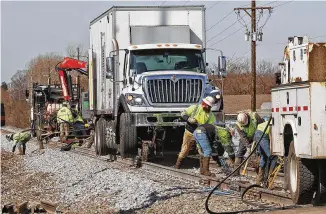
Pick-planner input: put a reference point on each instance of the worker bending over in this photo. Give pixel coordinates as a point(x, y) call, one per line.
point(79, 123)
point(20, 139)
point(194, 115)
point(246, 125)
point(263, 150)
point(64, 118)
point(206, 136)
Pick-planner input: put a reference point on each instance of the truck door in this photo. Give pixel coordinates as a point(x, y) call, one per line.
point(303, 121)
point(318, 119)
point(277, 142)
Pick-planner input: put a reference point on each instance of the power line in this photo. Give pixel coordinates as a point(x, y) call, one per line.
point(185, 3)
point(223, 31)
point(227, 36)
point(283, 4)
point(223, 19)
point(163, 3)
point(213, 5)
point(219, 21)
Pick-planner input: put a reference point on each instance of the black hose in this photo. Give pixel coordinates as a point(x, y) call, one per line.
point(246, 190)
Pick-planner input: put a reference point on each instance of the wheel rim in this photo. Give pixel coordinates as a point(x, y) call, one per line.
point(293, 173)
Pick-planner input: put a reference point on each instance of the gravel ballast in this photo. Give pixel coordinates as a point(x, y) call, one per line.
point(82, 184)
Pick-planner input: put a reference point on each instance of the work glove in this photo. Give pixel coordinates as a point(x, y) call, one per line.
point(192, 120)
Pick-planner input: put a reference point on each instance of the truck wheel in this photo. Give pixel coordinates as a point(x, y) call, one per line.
point(301, 178)
point(100, 145)
point(128, 136)
point(321, 190)
point(111, 137)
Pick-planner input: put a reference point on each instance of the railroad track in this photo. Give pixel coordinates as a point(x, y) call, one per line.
point(259, 197)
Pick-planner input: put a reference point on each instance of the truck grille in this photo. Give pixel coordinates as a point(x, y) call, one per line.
point(169, 91)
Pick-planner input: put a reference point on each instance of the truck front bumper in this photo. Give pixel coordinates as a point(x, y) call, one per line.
point(157, 119)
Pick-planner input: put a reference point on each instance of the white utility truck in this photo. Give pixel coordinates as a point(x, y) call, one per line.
point(146, 65)
point(299, 119)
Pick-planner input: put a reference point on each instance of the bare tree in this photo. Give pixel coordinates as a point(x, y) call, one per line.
point(238, 80)
point(77, 51)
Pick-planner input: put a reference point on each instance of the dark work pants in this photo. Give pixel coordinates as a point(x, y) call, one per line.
point(18, 144)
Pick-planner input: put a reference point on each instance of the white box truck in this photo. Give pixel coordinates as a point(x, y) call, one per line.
point(146, 65)
point(299, 119)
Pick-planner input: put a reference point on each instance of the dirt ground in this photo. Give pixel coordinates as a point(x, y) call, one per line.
point(235, 103)
point(18, 185)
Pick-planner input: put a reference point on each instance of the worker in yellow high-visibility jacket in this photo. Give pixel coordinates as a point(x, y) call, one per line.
point(20, 139)
point(195, 115)
point(64, 118)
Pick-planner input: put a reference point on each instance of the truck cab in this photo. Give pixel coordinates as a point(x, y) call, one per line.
point(146, 65)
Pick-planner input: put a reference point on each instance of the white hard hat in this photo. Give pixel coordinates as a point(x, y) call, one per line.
point(209, 101)
point(242, 119)
point(215, 93)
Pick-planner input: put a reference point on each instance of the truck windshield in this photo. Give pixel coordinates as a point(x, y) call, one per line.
point(167, 59)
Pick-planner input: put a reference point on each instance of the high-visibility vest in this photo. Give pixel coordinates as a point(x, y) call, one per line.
point(223, 135)
point(22, 137)
point(64, 115)
point(197, 112)
point(261, 127)
point(79, 118)
point(250, 129)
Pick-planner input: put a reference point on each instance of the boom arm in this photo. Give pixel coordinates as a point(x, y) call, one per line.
point(69, 64)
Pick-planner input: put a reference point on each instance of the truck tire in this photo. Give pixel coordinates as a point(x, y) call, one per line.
point(128, 136)
point(321, 190)
point(99, 138)
point(111, 137)
point(301, 178)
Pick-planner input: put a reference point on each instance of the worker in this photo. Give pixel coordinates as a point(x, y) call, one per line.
point(246, 126)
point(79, 124)
point(206, 136)
point(263, 150)
point(64, 119)
point(20, 139)
point(194, 115)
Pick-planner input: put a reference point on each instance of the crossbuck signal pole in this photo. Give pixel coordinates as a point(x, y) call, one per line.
point(254, 37)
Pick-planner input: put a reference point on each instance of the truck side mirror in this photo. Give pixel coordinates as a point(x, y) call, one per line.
point(221, 63)
point(109, 67)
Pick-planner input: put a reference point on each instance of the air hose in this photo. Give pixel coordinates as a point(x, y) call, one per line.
point(247, 189)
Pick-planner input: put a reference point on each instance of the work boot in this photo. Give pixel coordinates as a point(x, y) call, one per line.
point(259, 178)
point(206, 171)
point(229, 162)
point(237, 162)
point(179, 161)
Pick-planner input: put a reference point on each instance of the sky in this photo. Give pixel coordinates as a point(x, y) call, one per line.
point(32, 28)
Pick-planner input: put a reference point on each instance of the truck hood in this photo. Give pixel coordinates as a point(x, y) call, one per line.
point(172, 72)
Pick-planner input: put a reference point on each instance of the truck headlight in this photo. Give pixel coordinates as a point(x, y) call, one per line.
point(134, 99)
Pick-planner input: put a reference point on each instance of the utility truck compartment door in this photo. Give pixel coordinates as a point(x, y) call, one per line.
point(159, 34)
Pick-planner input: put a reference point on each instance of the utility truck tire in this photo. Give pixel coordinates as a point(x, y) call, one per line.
point(128, 136)
point(321, 190)
point(301, 177)
point(99, 138)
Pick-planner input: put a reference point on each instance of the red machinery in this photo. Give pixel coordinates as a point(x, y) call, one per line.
point(69, 64)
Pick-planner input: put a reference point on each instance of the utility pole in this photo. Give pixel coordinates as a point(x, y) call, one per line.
point(78, 53)
point(253, 57)
point(254, 35)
